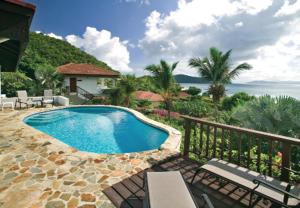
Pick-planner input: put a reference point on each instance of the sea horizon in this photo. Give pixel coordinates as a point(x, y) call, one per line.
point(255, 89)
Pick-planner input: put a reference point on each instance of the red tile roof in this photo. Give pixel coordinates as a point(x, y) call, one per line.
point(86, 70)
point(147, 95)
point(183, 95)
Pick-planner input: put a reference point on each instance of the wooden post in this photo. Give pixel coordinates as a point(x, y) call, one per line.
point(286, 150)
point(187, 138)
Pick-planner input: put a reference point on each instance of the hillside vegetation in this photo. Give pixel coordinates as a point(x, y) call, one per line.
point(44, 50)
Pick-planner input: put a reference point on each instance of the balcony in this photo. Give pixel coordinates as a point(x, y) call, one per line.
point(269, 154)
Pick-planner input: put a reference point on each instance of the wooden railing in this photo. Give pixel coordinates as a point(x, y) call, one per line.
point(206, 139)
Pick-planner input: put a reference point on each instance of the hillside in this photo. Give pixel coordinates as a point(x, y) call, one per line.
point(182, 78)
point(46, 50)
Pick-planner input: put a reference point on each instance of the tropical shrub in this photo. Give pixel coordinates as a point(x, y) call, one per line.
point(128, 85)
point(196, 108)
point(228, 103)
point(13, 81)
point(278, 115)
point(193, 91)
point(144, 103)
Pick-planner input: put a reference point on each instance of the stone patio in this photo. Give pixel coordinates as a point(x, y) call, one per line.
point(37, 170)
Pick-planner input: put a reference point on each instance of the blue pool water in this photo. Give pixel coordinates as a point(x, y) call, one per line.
point(98, 129)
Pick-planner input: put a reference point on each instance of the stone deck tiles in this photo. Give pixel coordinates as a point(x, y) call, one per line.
point(37, 170)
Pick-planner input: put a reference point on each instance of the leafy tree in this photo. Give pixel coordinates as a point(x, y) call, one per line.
point(13, 81)
point(164, 79)
point(239, 98)
point(216, 69)
point(128, 87)
point(193, 91)
point(48, 78)
point(278, 115)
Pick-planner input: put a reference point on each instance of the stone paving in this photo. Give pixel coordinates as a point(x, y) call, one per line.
point(37, 170)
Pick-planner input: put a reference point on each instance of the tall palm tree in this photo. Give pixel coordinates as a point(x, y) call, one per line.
point(163, 77)
point(217, 69)
point(128, 85)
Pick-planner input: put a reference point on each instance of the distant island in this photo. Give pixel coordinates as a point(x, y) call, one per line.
point(182, 78)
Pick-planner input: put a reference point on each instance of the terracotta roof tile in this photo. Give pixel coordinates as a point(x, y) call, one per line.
point(86, 70)
point(147, 95)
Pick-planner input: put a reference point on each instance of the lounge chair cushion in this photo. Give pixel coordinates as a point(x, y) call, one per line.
point(168, 190)
point(244, 177)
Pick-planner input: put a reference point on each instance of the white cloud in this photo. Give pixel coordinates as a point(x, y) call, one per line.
point(246, 26)
point(52, 35)
point(104, 47)
point(239, 24)
point(147, 2)
point(288, 8)
point(278, 62)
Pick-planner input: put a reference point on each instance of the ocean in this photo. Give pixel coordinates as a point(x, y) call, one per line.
point(273, 89)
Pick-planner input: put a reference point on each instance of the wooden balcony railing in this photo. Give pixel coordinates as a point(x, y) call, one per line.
point(245, 147)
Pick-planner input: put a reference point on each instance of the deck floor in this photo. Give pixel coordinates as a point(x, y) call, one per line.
point(130, 192)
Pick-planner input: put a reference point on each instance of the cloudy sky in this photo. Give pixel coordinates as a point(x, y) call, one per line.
point(129, 34)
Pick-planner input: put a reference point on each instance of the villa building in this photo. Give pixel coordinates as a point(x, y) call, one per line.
point(86, 77)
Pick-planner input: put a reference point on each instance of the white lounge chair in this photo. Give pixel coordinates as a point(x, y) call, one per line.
point(6, 103)
point(278, 192)
point(23, 99)
point(169, 190)
point(48, 98)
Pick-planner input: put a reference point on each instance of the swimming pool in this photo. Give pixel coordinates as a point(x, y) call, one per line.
point(99, 129)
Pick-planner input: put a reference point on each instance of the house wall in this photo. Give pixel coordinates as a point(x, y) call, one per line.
point(87, 83)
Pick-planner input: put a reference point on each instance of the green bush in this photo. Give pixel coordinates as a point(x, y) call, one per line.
point(193, 91)
point(228, 103)
point(13, 81)
point(197, 108)
point(143, 103)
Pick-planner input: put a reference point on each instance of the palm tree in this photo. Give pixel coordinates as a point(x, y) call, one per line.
point(163, 77)
point(128, 86)
point(216, 69)
point(47, 77)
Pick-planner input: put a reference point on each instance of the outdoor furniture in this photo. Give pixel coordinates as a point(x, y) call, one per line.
point(278, 192)
point(167, 190)
point(48, 98)
point(3, 104)
point(23, 99)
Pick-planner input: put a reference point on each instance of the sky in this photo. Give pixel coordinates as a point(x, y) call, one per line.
point(131, 34)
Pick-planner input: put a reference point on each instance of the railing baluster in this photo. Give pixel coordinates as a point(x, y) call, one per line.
point(207, 141)
point(285, 163)
point(187, 138)
point(194, 140)
point(215, 142)
point(249, 152)
point(258, 155)
point(270, 156)
point(230, 145)
point(239, 148)
point(222, 144)
point(201, 138)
